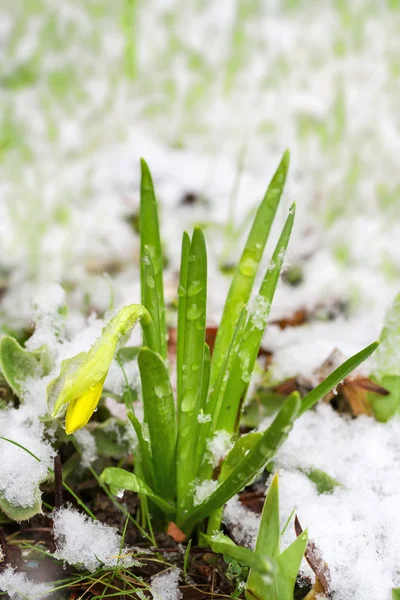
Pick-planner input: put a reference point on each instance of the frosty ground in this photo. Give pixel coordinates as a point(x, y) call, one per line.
point(212, 124)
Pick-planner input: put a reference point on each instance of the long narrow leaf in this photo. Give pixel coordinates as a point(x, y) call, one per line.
point(183, 274)
point(246, 271)
point(251, 338)
point(150, 300)
point(252, 464)
point(222, 544)
point(123, 480)
point(150, 240)
point(336, 377)
point(159, 411)
point(267, 540)
point(204, 423)
point(289, 563)
point(143, 463)
point(192, 365)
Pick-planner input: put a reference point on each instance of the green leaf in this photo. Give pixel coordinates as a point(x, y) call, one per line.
point(183, 274)
point(150, 300)
point(288, 567)
point(325, 484)
point(247, 268)
point(281, 585)
point(203, 426)
point(143, 463)
point(109, 437)
point(18, 364)
point(267, 540)
point(216, 396)
point(222, 544)
point(336, 377)
point(386, 367)
point(192, 366)
point(250, 466)
point(385, 407)
point(21, 513)
point(246, 356)
point(396, 593)
point(150, 242)
point(159, 412)
point(123, 480)
point(238, 453)
point(128, 353)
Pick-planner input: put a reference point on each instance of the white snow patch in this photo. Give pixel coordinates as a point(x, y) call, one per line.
point(166, 586)
point(86, 543)
point(116, 382)
point(203, 417)
point(219, 446)
point(87, 446)
point(19, 587)
point(356, 527)
point(243, 523)
point(20, 473)
point(203, 490)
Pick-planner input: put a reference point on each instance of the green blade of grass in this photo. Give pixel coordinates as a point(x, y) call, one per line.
point(182, 313)
point(150, 300)
point(235, 456)
point(268, 541)
point(249, 467)
point(203, 425)
point(246, 270)
point(143, 463)
point(159, 411)
point(222, 544)
point(289, 563)
point(269, 532)
point(336, 377)
point(216, 396)
point(245, 359)
point(192, 366)
point(150, 241)
point(123, 480)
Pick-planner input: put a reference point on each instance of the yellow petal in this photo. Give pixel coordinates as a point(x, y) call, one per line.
point(81, 409)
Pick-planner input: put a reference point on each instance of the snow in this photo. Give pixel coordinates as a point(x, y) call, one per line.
point(86, 543)
point(203, 417)
point(19, 587)
point(87, 446)
point(203, 490)
point(116, 382)
point(242, 523)
point(20, 473)
point(356, 527)
point(166, 586)
point(218, 447)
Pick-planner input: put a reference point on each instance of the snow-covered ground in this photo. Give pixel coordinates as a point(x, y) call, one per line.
point(213, 95)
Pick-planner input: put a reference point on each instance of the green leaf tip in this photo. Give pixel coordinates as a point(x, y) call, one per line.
point(146, 178)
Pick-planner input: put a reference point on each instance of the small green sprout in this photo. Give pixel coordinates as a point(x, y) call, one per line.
point(273, 573)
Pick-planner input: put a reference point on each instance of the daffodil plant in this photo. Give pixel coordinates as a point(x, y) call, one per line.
point(176, 466)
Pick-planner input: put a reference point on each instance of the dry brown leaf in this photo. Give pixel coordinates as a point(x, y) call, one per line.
point(176, 533)
point(318, 565)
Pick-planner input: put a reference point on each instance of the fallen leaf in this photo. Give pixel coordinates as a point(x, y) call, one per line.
point(318, 565)
point(176, 533)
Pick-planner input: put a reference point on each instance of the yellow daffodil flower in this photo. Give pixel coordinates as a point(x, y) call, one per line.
point(80, 382)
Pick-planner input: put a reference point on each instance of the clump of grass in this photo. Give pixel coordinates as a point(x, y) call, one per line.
point(178, 435)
